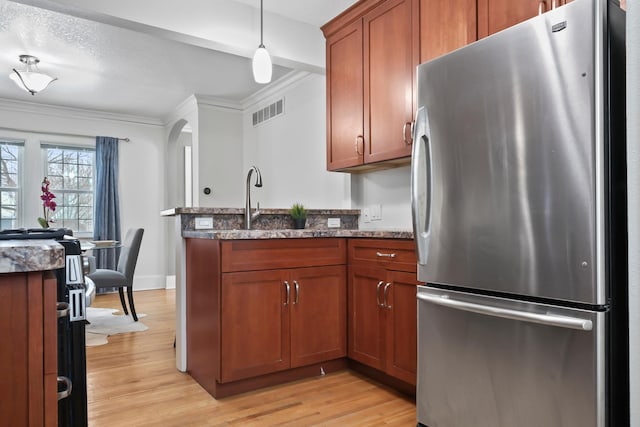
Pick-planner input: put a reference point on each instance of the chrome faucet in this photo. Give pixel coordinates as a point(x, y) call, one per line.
point(248, 216)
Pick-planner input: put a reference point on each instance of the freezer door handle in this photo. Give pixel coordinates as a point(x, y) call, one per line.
point(543, 319)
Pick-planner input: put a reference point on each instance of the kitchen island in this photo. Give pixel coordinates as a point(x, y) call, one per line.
point(268, 305)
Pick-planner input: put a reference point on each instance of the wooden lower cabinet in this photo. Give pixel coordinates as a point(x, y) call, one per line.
point(265, 311)
point(382, 326)
point(279, 319)
point(28, 356)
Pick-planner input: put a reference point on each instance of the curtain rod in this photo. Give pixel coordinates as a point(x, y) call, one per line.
point(58, 133)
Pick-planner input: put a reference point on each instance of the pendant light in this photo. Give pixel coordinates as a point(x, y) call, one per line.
point(31, 79)
point(261, 59)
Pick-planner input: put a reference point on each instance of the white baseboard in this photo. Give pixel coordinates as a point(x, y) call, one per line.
point(170, 282)
point(145, 283)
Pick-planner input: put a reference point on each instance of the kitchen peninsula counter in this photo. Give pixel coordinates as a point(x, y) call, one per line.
point(295, 234)
point(225, 226)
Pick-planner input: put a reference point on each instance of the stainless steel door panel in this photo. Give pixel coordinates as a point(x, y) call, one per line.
point(479, 370)
point(513, 154)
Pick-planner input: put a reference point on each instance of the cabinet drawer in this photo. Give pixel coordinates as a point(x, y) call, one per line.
point(248, 255)
point(391, 254)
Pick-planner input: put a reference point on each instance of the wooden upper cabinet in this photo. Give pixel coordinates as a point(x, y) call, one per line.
point(446, 26)
point(496, 15)
point(372, 52)
point(390, 60)
point(345, 97)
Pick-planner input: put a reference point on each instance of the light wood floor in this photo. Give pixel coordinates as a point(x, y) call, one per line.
point(133, 381)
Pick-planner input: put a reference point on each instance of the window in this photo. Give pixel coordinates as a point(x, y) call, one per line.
point(71, 171)
point(10, 162)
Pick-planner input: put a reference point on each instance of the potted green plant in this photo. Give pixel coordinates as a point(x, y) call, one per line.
point(299, 215)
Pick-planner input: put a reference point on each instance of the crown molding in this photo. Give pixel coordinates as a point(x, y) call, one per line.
point(182, 111)
point(77, 113)
point(216, 102)
point(285, 82)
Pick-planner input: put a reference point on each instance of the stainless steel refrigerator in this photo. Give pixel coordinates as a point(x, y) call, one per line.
point(519, 211)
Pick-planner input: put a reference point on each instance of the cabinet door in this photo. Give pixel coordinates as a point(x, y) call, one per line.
point(401, 325)
point(318, 314)
point(446, 26)
point(366, 330)
point(496, 15)
point(390, 61)
point(255, 324)
point(14, 352)
point(345, 98)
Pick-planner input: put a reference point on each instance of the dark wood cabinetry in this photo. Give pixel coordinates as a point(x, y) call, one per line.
point(372, 52)
point(382, 306)
point(446, 26)
point(294, 317)
point(256, 308)
point(496, 15)
point(28, 355)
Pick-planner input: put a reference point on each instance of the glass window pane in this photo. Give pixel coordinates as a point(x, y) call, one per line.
point(9, 180)
point(71, 177)
point(10, 191)
point(85, 225)
point(54, 155)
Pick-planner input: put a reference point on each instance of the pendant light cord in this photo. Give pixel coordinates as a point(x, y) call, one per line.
point(261, 25)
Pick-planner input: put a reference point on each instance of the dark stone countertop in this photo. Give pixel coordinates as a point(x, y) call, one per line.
point(295, 234)
point(17, 256)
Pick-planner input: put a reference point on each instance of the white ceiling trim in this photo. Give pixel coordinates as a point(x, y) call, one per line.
point(75, 113)
point(275, 89)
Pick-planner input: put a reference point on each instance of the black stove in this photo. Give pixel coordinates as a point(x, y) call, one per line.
point(35, 233)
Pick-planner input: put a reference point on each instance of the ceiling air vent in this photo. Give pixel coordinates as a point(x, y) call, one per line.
point(268, 112)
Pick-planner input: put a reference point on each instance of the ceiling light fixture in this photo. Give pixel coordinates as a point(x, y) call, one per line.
point(261, 59)
point(31, 79)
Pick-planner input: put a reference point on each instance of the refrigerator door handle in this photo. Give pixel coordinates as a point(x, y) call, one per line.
point(543, 319)
point(421, 178)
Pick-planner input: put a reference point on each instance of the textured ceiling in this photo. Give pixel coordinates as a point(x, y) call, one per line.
point(113, 69)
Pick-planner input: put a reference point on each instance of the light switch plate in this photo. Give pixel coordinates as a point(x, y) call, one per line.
point(204, 223)
point(333, 222)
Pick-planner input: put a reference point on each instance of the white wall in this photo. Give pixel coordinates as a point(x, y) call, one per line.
point(391, 189)
point(140, 163)
point(219, 155)
point(633, 163)
point(290, 149)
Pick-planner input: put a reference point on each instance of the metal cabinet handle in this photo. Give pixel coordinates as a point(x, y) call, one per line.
point(297, 288)
point(407, 140)
point(553, 4)
point(62, 309)
point(380, 283)
point(542, 6)
point(288, 288)
point(67, 390)
point(384, 255)
point(359, 139)
point(385, 302)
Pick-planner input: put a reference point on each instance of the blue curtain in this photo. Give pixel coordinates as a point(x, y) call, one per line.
point(106, 219)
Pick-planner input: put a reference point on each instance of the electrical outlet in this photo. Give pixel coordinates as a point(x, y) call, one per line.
point(333, 222)
point(376, 212)
point(204, 223)
point(366, 215)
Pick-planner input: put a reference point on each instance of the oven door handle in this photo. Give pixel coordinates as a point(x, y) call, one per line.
point(543, 319)
point(67, 390)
